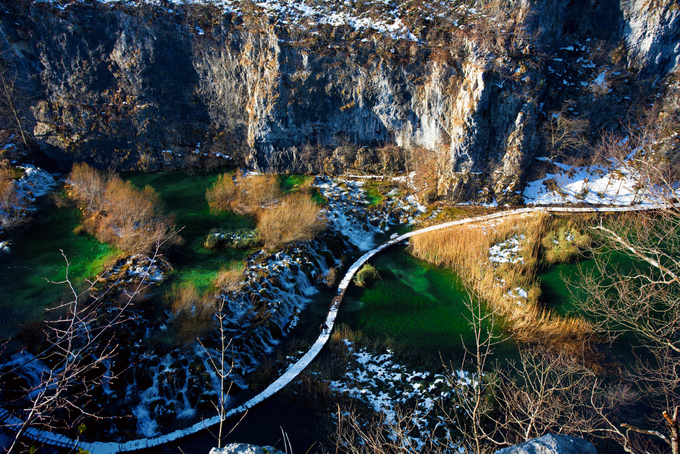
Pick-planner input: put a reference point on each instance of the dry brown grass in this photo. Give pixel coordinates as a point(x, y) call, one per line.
point(116, 212)
point(466, 249)
point(296, 218)
point(231, 278)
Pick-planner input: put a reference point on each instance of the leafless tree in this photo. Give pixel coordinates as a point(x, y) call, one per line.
point(474, 404)
point(222, 368)
point(10, 97)
point(639, 296)
point(565, 133)
point(385, 434)
point(642, 300)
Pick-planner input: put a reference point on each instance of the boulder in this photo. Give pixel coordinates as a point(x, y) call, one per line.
point(244, 448)
point(551, 444)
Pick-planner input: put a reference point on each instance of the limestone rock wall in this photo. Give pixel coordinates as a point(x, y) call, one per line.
point(145, 87)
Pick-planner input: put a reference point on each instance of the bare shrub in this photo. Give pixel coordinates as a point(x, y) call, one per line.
point(134, 220)
point(256, 192)
point(222, 193)
point(296, 218)
point(87, 186)
point(193, 312)
point(331, 278)
point(6, 185)
point(243, 194)
point(118, 213)
point(12, 211)
point(383, 434)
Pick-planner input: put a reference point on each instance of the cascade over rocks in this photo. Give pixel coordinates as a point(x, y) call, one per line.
point(151, 87)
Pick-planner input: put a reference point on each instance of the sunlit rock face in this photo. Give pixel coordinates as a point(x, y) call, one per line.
point(283, 86)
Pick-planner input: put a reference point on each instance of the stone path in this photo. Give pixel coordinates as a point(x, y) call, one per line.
point(290, 374)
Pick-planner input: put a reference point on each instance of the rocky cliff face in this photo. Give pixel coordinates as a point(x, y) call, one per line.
point(472, 88)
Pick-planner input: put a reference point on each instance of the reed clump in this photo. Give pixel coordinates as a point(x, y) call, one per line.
point(508, 284)
point(296, 218)
point(563, 241)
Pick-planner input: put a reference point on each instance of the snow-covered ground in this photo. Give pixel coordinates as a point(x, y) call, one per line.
point(346, 210)
point(34, 182)
point(385, 385)
point(507, 251)
point(597, 184)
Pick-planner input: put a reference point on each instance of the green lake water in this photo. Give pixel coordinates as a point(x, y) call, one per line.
point(417, 304)
point(559, 283)
point(184, 196)
point(35, 262)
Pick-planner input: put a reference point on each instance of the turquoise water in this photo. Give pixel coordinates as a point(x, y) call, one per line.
point(35, 262)
point(419, 305)
point(184, 196)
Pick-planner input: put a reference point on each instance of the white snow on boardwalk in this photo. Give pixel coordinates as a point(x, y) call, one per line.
point(302, 363)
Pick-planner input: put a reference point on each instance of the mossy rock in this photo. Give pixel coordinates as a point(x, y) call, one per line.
point(366, 275)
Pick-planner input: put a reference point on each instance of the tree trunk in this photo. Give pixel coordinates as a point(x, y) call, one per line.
point(674, 430)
